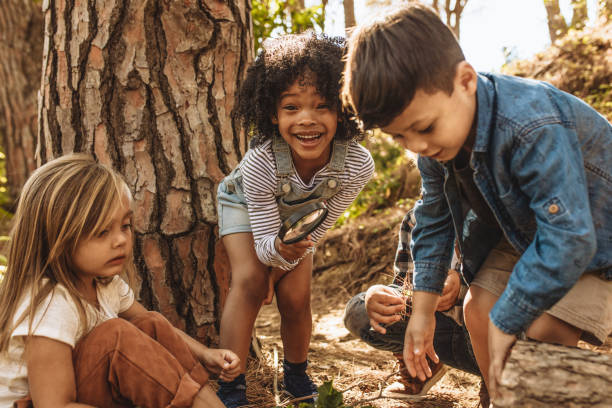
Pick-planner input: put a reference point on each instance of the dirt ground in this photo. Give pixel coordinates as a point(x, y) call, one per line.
point(336, 355)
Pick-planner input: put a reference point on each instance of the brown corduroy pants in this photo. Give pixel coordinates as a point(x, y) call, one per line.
point(140, 363)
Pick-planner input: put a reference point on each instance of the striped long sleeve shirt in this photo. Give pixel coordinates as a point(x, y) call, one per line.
point(260, 181)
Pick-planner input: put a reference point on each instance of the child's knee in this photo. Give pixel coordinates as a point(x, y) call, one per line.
point(294, 305)
point(151, 321)
point(355, 315)
point(475, 310)
point(251, 282)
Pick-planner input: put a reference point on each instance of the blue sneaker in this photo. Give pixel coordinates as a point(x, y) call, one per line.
point(233, 393)
point(297, 382)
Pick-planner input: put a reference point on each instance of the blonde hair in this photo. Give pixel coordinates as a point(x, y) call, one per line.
point(63, 202)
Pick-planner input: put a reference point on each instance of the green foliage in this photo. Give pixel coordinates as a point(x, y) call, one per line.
point(384, 189)
point(283, 17)
point(329, 397)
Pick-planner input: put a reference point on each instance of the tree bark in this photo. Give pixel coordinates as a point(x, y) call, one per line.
point(349, 14)
point(557, 27)
point(21, 33)
point(545, 375)
point(149, 87)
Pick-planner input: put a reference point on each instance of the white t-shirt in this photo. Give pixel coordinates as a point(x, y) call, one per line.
point(57, 318)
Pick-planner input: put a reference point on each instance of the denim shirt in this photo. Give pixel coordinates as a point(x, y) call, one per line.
point(542, 159)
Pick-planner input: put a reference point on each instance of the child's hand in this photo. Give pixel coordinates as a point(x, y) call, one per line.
point(291, 252)
point(418, 344)
point(383, 305)
point(500, 344)
point(452, 285)
point(221, 362)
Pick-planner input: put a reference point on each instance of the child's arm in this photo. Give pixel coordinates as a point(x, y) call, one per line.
point(259, 184)
point(222, 362)
point(547, 193)
point(44, 356)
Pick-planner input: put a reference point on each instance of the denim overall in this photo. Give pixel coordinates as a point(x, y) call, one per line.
point(289, 195)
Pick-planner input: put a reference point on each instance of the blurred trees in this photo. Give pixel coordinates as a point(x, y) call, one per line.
point(349, 14)
point(21, 33)
point(449, 10)
point(149, 87)
point(272, 18)
point(557, 24)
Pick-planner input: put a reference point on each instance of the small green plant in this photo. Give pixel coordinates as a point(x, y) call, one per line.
point(329, 397)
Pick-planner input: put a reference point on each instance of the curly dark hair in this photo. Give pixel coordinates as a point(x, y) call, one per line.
point(283, 61)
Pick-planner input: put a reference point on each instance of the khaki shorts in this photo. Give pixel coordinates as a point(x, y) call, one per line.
point(587, 306)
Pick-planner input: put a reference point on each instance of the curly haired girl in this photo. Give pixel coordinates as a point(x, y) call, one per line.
point(304, 149)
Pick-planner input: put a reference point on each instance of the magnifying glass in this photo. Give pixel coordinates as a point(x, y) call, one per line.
point(302, 222)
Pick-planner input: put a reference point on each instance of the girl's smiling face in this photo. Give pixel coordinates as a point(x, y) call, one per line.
point(307, 122)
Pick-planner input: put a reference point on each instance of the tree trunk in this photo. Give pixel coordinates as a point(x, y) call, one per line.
point(580, 14)
point(557, 27)
point(21, 33)
point(349, 14)
point(149, 87)
point(545, 375)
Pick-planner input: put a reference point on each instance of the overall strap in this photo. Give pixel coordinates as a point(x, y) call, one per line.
point(282, 157)
point(339, 152)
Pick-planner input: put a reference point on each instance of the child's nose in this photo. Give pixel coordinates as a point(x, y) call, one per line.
point(417, 146)
point(120, 239)
point(306, 118)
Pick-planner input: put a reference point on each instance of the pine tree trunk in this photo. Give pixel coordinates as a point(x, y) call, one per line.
point(149, 87)
point(538, 375)
point(21, 33)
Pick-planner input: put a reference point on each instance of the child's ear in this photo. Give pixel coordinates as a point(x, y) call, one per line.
point(274, 120)
point(466, 78)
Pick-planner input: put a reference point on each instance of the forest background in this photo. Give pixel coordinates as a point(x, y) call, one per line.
point(148, 87)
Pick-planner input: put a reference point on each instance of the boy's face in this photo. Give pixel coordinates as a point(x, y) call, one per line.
point(437, 125)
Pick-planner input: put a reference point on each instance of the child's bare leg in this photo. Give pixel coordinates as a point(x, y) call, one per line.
point(477, 304)
point(549, 329)
point(207, 398)
point(293, 299)
point(248, 287)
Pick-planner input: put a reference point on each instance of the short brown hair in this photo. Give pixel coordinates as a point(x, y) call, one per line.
point(390, 58)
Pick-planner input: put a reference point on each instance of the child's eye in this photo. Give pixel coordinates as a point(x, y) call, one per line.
point(428, 129)
point(127, 226)
point(397, 137)
point(289, 107)
point(323, 106)
point(102, 233)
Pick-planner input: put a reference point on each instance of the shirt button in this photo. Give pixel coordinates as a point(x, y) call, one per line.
point(332, 183)
point(286, 187)
point(553, 209)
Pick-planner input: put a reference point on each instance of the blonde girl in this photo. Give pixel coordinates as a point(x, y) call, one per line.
point(71, 333)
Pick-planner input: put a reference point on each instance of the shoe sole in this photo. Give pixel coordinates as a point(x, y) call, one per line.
point(431, 381)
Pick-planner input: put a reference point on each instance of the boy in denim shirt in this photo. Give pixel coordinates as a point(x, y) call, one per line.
point(516, 166)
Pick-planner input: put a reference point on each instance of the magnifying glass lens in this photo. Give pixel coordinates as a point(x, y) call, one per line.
point(304, 225)
point(302, 222)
